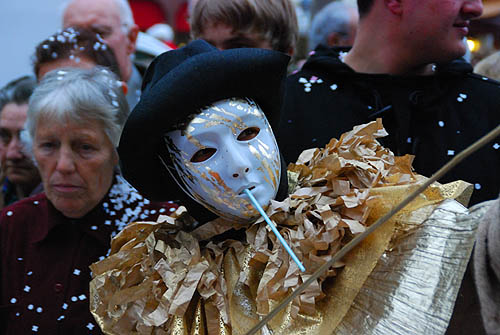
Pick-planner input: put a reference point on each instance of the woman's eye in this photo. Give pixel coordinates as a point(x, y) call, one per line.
point(86, 147)
point(248, 134)
point(202, 155)
point(46, 145)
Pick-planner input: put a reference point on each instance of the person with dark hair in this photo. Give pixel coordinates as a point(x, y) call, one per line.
point(73, 47)
point(228, 24)
point(405, 67)
point(20, 175)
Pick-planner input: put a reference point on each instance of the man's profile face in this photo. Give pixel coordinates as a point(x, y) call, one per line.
point(18, 167)
point(438, 27)
point(102, 17)
point(224, 37)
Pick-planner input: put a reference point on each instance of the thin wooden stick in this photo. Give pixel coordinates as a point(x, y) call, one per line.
point(355, 241)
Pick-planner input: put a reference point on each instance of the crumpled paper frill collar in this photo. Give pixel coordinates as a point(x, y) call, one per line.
point(159, 267)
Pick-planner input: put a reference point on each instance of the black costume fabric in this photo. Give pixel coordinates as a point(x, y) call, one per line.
point(178, 84)
point(432, 117)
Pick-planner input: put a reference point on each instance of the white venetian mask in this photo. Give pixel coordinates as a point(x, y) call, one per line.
point(225, 149)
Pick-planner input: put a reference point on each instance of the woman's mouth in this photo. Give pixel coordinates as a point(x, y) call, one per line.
point(65, 188)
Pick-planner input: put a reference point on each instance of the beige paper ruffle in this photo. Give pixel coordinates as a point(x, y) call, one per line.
point(160, 278)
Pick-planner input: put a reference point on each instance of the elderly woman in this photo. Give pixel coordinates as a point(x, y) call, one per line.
point(48, 241)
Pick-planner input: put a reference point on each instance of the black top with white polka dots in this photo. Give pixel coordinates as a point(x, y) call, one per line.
point(45, 258)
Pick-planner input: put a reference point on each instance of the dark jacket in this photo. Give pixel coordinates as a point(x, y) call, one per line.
point(45, 258)
point(431, 117)
point(487, 263)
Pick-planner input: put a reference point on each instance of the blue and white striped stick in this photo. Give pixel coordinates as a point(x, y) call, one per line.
point(275, 231)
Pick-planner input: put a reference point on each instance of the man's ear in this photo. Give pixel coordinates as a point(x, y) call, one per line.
point(132, 38)
point(394, 6)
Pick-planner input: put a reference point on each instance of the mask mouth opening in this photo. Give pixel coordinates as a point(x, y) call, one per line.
point(243, 191)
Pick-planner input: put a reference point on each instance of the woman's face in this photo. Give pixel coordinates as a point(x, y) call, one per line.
point(76, 162)
point(225, 149)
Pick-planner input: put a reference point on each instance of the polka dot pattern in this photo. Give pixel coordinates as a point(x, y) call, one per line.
point(33, 299)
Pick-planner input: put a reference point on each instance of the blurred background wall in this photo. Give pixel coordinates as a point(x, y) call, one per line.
point(24, 24)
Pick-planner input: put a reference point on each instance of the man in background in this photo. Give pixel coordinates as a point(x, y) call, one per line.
point(405, 67)
point(334, 25)
point(20, 176)
point(229, 24)
point(113, 21)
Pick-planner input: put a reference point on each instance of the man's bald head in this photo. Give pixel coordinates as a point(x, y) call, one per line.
point(113, 20)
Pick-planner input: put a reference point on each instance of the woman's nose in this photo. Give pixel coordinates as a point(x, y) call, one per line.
point(65, 162)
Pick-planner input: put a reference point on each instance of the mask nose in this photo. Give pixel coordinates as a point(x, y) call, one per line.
point(242, 171)
point(240, 164)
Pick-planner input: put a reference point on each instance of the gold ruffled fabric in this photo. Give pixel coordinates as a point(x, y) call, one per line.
point(412, 289)
point(160, 279)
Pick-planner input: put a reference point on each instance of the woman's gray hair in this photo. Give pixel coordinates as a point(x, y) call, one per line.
point(80, 95)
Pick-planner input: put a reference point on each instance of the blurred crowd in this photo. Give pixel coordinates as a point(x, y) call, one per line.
point(62, 191)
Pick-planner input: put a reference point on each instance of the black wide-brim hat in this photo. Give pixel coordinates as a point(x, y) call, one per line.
point(178, 84)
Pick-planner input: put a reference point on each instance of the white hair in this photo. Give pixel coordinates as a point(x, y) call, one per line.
point(124, 10)
point(126, 17)
point(334, 17)
point(79, 95)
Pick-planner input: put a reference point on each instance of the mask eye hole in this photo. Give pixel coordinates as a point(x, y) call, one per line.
point(202, 155)
point(248, 134)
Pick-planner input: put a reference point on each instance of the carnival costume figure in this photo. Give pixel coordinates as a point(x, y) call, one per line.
point(202, 131)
